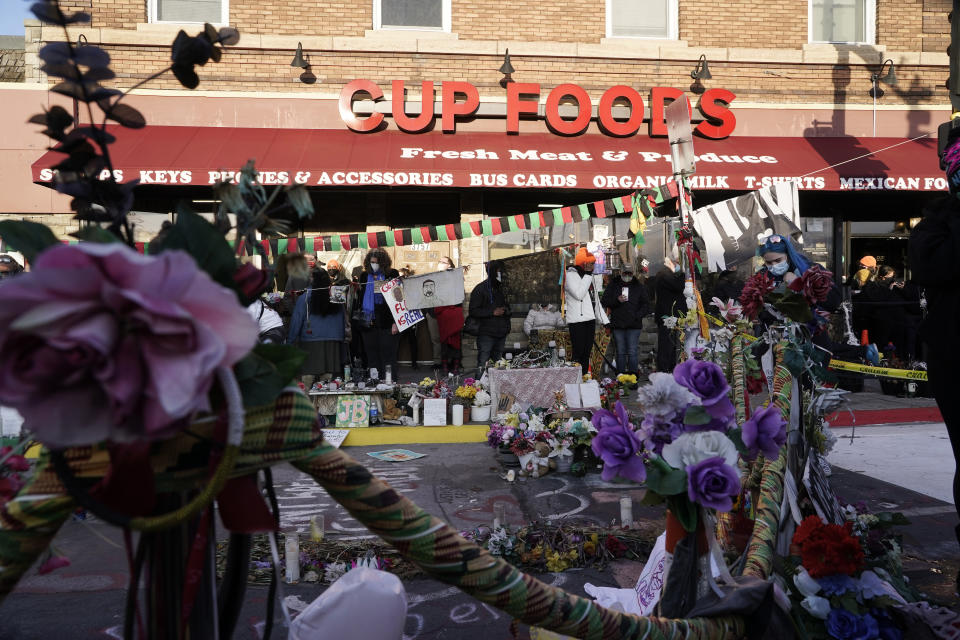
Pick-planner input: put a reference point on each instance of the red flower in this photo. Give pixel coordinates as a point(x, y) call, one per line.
point(815, 284)
point(827, 550)
point(751, 299)
point(807, 528)
point(755, 384)
point(15, 462)
point(9, 487)
point(615, 546)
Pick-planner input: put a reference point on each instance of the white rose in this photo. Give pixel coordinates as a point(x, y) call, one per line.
point(691, 448)
point(806, 584)
point(816, 606)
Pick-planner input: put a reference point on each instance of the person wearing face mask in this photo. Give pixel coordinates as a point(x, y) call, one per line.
point(448, 321)
point(583, 308)
point(784, 264)
point(670, 302)
point(489, 306)
point(381, 336)
point(626, 297)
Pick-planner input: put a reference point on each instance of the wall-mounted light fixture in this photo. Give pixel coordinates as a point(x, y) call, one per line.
point(889, 78)
point(700, 72)
point(298, 59)
point(507, 70)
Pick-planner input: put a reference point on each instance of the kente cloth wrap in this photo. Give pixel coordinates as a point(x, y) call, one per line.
point(288, 431)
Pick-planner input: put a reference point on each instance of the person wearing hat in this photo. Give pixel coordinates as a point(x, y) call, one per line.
point(9, 266)
point(866, 272)
point(628, 302)
point(491, 311)
point(582, 307)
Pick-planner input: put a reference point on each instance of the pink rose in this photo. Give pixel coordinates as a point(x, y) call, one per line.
point(101, 343)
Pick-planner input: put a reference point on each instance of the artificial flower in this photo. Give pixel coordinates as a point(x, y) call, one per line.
point(837, 585)
point(691, 448)
point(707, 382)
point(712, 483)
point(13, 462)
point(871, 586)
point(808, 527)
point(815, 284)
point(805, 584)
point(481, 399)
point(843, 625)
point(99, 343)
point(754, 289)
point(765, 432)
point(816, 606)
point(664, 396)
point(617, 445)
point(729, 310)
point(658, 431)
point(832, 550)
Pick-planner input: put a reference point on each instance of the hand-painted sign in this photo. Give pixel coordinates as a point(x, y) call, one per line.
point(392, 291)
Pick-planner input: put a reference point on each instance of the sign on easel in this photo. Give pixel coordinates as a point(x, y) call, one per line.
point(353, 411)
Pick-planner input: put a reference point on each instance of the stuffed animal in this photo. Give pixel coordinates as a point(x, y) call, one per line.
point(390, 409)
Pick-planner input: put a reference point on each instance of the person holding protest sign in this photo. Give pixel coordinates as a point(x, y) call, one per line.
point(381, 337)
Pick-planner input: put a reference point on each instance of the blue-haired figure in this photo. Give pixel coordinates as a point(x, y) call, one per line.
point(784, 264)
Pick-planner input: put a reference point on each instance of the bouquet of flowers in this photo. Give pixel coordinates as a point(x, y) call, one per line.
point(835, 590)
point(686, 446)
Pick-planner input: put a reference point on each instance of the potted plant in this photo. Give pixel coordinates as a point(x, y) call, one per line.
point(480, 411)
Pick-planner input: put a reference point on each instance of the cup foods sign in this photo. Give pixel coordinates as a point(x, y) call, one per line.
point(460, 100)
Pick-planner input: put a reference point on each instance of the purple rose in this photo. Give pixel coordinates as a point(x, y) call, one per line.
point(706, 381)
point(658, 431)
point(712, 483)
point(843, 625)
point(101, 343)
point(617, 445)
point(765, 432)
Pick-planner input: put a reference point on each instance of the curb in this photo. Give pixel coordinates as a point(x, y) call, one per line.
point(866, 417)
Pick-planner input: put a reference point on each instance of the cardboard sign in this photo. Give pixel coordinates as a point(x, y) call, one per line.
point(353, 411)
point(434, 412)
point(335, 437)
point(405, 318)
point(439, 289)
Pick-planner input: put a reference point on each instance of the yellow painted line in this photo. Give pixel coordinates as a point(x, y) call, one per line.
point(367, 436)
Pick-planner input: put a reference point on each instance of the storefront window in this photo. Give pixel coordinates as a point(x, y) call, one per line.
point(818, 240)
point(841, 20)
point(411, 14)
point(213, 11)
point(642, 19)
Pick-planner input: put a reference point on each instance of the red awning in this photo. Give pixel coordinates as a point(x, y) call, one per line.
point(324, 157)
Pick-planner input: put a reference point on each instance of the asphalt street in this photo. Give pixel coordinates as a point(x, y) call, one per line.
point(460, 483)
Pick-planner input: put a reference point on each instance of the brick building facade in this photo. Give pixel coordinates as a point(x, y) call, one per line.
point(787, 84)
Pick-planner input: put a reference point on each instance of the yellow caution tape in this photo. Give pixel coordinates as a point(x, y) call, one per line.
point(905, 374)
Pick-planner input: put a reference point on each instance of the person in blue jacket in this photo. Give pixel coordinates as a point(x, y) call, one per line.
point(318, 328)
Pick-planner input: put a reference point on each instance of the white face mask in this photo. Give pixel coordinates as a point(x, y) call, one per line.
point(374, 267)
point(627, 278)
point(779, 268)
point(499, 277)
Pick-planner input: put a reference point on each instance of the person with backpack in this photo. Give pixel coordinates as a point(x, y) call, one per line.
point(270, 322)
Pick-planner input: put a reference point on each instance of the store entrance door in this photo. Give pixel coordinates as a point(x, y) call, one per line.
point(884, 240)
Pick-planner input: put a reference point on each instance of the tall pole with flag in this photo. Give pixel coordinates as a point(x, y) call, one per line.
point(680, 137)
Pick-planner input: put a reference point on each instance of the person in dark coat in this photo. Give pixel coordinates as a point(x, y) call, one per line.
point(933, 250)
point(728, 287)
point(668, 289)
point(489, 306)
point(381, 337)
point(627, 299)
